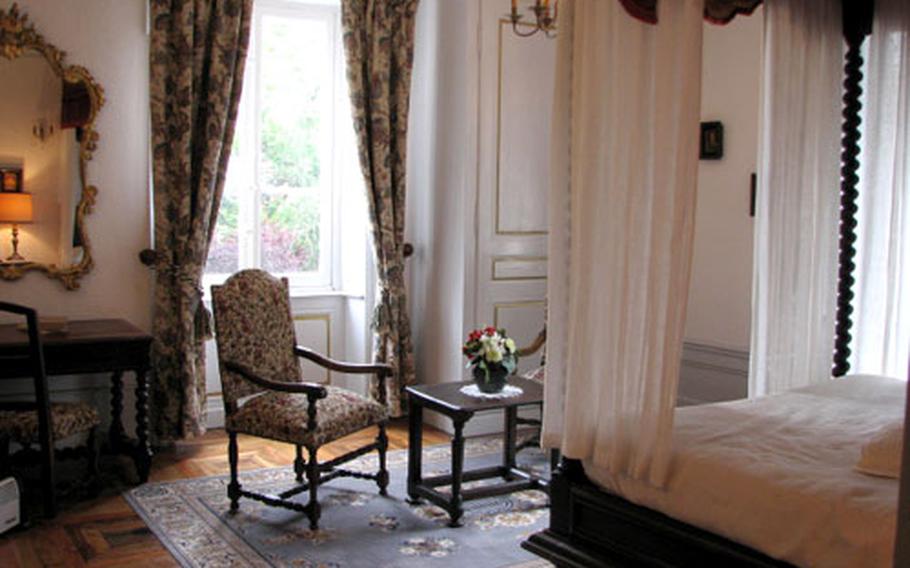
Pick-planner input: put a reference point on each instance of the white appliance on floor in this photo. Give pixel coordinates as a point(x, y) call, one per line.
point(9, 504)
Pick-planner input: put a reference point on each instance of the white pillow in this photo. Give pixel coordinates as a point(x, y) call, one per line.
point(881, 455)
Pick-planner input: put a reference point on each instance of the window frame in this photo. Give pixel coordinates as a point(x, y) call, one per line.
point(333, 157)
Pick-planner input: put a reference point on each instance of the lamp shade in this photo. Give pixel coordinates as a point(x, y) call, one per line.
point(16, 207)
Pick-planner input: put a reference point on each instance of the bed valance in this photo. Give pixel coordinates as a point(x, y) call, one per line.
point(716, 11)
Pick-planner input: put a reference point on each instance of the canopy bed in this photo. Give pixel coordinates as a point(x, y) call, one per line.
point(759, 482)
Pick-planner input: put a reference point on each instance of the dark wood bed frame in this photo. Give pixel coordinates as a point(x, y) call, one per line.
point(590, 527)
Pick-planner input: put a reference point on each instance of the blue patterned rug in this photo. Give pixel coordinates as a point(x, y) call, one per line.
point(358, 526)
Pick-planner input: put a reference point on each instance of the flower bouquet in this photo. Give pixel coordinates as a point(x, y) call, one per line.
point(491, 357)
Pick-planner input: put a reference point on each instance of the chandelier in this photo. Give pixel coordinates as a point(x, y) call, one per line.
point(544, 19)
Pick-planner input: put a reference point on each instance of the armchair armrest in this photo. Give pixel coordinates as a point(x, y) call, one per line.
point(380, 369)
point(310, 389)
point(535, 346)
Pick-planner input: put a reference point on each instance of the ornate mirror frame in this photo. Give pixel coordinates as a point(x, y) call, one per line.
point(18, 35)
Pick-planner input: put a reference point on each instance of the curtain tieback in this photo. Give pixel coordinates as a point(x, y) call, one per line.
point(187, 282)
point(202, 317)
point(382, 316)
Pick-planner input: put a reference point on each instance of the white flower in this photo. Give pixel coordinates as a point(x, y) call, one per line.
point(493, 354)
point(510, 345)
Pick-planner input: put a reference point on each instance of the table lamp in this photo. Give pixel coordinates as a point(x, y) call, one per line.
point(16, 209)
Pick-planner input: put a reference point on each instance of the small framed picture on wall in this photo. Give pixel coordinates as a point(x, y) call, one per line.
point(10, 178)
point(712, 141)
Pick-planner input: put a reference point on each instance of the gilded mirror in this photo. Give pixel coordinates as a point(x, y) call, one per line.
point(47, 137)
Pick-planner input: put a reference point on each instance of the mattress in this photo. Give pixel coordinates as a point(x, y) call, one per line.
point(777, 473)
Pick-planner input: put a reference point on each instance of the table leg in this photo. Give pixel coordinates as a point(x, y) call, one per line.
point(415, 449)
point(143, 455)
point(455, 505)
point(554, 460)
point(510, 440)
point(116, 433)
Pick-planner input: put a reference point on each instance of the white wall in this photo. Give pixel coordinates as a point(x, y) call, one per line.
point(719, 311)
point(442, 184)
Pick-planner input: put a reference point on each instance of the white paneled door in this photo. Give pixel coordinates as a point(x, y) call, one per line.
point(516, 95)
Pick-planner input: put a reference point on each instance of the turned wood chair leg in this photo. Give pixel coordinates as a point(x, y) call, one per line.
point(299, 464)
point(312, 474)
point(92, 475)
point(382, 478)
point(4, 455)
point(234, 486)
point(48, 480)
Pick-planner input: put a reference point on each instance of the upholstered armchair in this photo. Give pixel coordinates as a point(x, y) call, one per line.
point(266, 396)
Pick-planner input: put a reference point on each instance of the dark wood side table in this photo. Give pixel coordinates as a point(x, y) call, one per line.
point(97, 346)
point(447, 399)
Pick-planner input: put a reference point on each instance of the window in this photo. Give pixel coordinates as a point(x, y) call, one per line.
point(293, 151)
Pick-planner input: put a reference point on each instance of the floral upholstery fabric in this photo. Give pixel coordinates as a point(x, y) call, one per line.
point(67, 419)
point(254, 329)
point(536, 374)
point(197, 53)
point(283, 416)
point(379, 49)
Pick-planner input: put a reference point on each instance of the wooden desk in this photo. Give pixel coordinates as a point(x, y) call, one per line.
point(97, 346)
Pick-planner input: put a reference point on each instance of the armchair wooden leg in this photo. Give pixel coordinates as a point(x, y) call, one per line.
point(382, 478)
point(312, 475)
point(234, 486)
point(299, 464)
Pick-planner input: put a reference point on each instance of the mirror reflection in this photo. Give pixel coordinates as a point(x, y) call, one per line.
point(41, 121)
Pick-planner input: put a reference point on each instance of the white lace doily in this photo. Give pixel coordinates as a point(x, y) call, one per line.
point(507, 391)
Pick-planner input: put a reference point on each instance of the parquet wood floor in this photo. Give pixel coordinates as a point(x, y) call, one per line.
point(106, 532)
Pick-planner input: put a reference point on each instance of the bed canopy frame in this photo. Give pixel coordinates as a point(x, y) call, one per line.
point(590, 527)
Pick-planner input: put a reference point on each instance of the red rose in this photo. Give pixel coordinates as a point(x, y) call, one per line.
point(490, 330)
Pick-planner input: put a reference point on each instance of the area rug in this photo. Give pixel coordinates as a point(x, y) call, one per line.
point(358, 526)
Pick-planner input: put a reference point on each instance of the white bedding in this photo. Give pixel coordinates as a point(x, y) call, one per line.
point(777, 473)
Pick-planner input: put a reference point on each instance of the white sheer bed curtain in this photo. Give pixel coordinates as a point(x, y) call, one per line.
point(625, 154)
point(796, 231)
point(881, 337)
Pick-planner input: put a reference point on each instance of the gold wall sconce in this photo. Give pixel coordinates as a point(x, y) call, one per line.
point(545, 13)
point(43, 129)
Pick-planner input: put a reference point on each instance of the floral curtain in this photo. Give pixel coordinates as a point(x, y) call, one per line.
point(197, 55)
point(379, 48)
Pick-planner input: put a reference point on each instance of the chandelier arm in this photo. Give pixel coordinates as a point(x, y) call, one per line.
point(515, 28)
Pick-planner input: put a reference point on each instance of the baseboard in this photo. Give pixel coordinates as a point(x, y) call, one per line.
point(712, 374)
point(214, 411)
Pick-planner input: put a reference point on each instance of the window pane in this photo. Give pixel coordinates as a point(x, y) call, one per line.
point(290, 238)
point(225, 249)
point(295, 89)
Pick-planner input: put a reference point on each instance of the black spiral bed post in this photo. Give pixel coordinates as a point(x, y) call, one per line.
point(857, 18)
